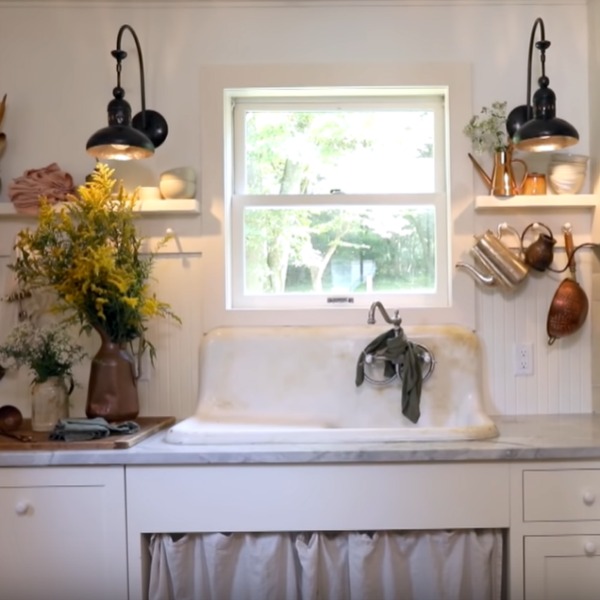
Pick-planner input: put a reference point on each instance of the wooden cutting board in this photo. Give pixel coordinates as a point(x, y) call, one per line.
point(41, 441)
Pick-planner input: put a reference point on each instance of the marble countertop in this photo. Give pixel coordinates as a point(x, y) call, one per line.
point(548, 437)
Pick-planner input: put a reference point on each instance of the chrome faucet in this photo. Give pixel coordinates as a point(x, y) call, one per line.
point(377, 305)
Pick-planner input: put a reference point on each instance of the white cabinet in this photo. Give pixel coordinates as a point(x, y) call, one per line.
point(555, 531)
point(79, 533)
point(560, 567)
point(62, 533)
point(308, 497)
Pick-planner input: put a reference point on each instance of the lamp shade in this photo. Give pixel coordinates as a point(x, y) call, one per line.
point(119, 142)
point(545, 135)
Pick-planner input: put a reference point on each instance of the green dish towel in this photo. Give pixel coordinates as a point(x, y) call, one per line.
point(81, 430)
point(397, 350)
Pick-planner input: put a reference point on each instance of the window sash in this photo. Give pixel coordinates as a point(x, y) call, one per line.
point(434, 101)
point(238, 299)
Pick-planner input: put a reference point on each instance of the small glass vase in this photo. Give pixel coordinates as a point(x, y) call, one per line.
point(49, 403)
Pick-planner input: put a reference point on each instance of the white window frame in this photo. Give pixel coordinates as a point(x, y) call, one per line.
point(217, 181)
point(389, 98)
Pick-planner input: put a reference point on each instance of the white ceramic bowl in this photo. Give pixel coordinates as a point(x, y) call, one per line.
point(567, 157)
point(173, 188)
point(187, 173)
point(566, 173)
point(564, 180)
point(179, 182)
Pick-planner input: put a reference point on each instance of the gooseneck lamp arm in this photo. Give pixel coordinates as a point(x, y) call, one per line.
point(534, 126)
point(542, 45)
point(124, 138)
point(120, 54)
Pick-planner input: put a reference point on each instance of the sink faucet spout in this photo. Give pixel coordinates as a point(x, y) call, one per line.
point(395, 321)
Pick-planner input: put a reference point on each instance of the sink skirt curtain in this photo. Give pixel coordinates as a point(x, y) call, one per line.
point(383, 565)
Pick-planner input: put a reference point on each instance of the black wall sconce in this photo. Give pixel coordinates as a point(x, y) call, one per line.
point(124, 138)
point(534, 127)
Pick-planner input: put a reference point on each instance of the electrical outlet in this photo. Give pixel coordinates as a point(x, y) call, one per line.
point(523, 354)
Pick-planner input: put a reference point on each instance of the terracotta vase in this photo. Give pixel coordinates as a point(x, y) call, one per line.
point(112, 390)
point(49, 403)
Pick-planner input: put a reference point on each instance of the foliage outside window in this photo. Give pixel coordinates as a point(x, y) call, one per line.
point(337, 200)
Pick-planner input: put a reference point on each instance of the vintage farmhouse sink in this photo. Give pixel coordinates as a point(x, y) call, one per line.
point(297, 385)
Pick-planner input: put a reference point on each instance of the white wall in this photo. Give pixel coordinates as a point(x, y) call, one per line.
point(594, 98)
point(56, 68)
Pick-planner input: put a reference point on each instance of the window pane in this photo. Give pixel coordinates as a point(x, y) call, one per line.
point(341, 249)
point(351, 151)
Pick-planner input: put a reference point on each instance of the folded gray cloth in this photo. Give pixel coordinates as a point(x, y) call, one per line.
point(398, 351)
point(80, 430)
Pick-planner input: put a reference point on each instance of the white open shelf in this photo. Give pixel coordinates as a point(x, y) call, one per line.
point(549, 201)
point(149, 207)
point(186, 207)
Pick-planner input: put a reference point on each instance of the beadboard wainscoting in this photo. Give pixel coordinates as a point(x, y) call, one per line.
point(561, 381)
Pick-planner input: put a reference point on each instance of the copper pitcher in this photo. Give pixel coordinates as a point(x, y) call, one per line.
point(539, 254)
point(502, 183)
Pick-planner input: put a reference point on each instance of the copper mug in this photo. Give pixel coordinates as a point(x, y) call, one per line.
point(534, 184)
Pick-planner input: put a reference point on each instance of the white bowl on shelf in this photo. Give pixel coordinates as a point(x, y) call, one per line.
point(177, 188)
point(178, 183)
point(567, 172)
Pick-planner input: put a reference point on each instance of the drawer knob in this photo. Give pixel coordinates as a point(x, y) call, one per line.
point(589, 497)
point(22, 507)
point(589, 548)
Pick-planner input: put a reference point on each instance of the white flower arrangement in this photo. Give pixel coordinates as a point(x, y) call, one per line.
point(47, 351)
point(487, 130)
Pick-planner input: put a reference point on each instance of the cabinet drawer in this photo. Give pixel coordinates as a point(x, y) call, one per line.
point(561, 495)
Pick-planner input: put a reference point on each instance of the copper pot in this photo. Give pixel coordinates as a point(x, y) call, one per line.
point(569, 306)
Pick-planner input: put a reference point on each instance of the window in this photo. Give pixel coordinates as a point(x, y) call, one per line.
point(242, 288)
point(339, 197)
